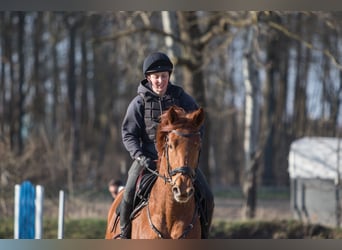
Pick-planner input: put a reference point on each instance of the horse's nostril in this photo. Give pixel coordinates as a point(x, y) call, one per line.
point(175, 190)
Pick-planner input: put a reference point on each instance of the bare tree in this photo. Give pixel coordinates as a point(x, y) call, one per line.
point(72, 23)
point(89, 66)
point(21, 80)
point(301, 85)
point(251, 128)
point(38, 112)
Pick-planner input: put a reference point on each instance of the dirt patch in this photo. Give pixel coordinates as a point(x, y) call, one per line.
point(225, 209)
point(231, 209)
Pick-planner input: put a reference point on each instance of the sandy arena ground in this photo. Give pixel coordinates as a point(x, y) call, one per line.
point(225, 209)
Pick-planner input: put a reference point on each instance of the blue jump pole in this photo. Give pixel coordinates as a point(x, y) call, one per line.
point(28, 211)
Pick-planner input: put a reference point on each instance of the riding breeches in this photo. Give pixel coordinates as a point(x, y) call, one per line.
point(128, 195)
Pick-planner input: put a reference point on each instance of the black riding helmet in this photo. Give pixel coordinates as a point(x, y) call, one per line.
point(157, 62)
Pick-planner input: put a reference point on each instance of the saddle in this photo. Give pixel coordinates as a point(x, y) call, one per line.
point(144, 185)
point(143, 188)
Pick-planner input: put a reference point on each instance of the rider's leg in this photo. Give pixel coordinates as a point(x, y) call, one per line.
point(126, 206)
point(206, 202)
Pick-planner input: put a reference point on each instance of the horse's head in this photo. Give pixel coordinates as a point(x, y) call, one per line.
point(179, 145)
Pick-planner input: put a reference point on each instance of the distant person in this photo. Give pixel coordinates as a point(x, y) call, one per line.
point(114, 187)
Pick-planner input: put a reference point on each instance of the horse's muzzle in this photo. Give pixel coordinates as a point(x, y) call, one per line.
point(182, 195)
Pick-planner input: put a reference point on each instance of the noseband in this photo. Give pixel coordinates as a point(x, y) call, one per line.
point(183, 170)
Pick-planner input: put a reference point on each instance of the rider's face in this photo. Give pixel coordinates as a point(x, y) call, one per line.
point(159, 82)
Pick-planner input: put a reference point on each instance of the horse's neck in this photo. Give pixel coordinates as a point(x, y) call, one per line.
point(161, 192)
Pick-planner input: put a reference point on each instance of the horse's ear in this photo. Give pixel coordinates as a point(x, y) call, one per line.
point(172, 115)
point(198, 117)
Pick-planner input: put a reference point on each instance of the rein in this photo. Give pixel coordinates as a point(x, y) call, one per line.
point(184, 170)
point(186, 231)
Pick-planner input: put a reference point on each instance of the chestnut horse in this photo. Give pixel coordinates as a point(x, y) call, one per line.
point(171, 211)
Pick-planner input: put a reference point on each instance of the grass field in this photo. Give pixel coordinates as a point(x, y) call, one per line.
point(281, 229)
point(85, 218)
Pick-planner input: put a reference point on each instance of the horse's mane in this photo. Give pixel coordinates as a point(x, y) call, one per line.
point(166, 125)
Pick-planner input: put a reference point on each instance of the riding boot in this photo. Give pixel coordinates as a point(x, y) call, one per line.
point(206, 218)
point(205, 199)
point(125, 222)
point(126, 206)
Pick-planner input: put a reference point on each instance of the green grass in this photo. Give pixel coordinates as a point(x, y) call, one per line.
point(284, 229)
point(73, 229)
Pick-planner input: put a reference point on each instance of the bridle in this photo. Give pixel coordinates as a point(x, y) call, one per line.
point(183, 170)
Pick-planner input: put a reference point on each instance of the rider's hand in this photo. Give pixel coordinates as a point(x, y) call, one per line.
point(144, 161)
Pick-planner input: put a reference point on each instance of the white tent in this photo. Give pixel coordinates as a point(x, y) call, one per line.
point(315, 157)
point(314, 168)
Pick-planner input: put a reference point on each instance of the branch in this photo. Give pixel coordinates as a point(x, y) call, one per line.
point(129, 32)
point(306, 44)
point(221, 27)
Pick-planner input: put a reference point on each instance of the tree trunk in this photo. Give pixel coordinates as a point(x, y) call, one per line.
point(72, 87)
point(21, 38)
point(250, 186)
point(300, 112)
point(192, 59)
point(13, 93)
point(252, 84)
point(275, 105)
point(3, 37)
point(166, 20)
point(55, 122)
point(84, 108)
point(39, 95)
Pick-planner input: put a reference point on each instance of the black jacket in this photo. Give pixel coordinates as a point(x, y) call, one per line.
point(134, 135)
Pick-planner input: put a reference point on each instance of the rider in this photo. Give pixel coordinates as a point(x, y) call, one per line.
point(155, 95)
